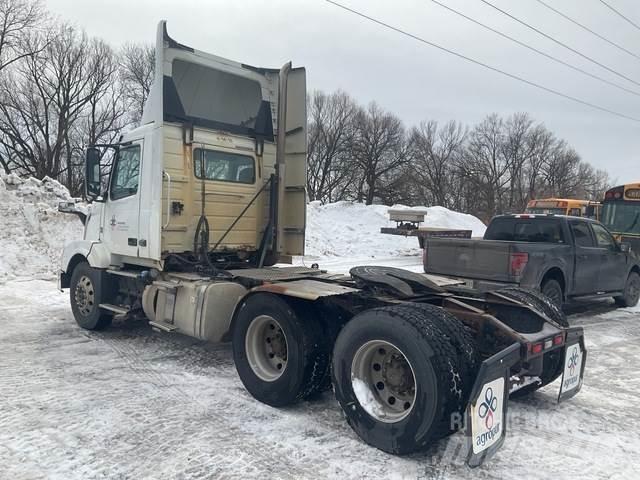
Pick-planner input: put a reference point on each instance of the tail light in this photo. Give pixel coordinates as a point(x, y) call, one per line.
point(518, 262)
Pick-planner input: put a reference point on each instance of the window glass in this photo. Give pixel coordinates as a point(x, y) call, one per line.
point(545, 231)
point(223, 166)
point(525, 230)
point(126, 172)
point(582, 234)
point(603, 238)
point(576, 212)
point(622, 217)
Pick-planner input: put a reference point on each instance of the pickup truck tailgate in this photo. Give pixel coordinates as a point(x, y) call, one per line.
point(477, 259)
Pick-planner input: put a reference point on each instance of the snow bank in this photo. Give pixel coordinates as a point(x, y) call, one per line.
point(32, 231)
point(345, 229)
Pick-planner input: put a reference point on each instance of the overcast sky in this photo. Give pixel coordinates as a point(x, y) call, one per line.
point(415, 81)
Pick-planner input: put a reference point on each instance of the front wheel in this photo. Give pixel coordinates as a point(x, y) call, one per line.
point(631, 293)
point(87, 289)
point(396, 377)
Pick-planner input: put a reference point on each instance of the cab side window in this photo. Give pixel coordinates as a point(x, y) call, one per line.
point(582, 234)
point(603, 237)
point(126, 172)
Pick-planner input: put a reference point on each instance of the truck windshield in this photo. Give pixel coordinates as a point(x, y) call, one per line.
point(622, 217)
point(540, 230)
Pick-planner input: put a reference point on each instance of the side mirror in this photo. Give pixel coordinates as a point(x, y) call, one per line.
point(92, 184)
point(625, 247)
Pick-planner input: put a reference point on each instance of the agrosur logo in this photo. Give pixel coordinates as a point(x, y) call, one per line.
point(488, 408)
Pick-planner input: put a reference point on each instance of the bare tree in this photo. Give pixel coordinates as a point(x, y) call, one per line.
point(46, 96)
point(137, 67)
point(17, 19)
point(378, 149)
point(434, 153)
point(331, 134)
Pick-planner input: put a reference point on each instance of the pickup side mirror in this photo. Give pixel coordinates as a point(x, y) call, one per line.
point(92, 184)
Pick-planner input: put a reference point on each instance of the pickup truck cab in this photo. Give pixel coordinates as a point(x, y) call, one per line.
point(564, 257)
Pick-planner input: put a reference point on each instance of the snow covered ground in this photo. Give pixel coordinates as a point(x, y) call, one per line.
point(132, 403)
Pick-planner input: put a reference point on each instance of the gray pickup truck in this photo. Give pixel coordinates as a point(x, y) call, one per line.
point(564, 257)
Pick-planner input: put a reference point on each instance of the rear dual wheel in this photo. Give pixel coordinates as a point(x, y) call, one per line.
point(280, 351)
point(397, 377)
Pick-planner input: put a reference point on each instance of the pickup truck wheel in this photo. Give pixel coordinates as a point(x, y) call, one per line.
point(280, 357)
point(552, 361)
point(553, 290)
point(86, 292)
point(631, 293)
point(395, 375)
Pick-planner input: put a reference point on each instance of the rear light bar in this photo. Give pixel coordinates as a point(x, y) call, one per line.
point(518, 261)
point(546, 344)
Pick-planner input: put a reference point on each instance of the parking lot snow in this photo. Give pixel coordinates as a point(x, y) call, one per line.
point(132, 403)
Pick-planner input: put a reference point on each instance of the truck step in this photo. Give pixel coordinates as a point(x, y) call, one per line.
point(117, 309)
point(124, 273)
point(165, 327)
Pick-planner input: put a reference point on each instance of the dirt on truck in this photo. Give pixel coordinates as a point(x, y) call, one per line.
point(209, 192)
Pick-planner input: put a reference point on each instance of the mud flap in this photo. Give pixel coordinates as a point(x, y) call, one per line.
point(486, 413)
point(574, 361)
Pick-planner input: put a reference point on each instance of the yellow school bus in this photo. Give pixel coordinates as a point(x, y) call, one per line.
point(565, 206)
point(621, 213)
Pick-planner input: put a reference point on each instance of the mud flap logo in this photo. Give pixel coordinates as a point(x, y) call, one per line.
point(487, 415)
point(572, 368)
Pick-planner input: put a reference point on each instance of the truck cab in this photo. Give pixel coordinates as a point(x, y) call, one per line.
point(204, 171)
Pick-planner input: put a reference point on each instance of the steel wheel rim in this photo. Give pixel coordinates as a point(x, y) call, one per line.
point(266, 347)
point(84, 295)
point(383, 381)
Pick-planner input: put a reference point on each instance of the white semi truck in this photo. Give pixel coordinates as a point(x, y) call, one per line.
point(208, 193)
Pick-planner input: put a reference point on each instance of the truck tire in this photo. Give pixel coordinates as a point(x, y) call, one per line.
point(631, 293)
point(462, 339)
point(553, 290)
point(280, 357)
point(552, 361)
point(88, 289)
point(395, 375)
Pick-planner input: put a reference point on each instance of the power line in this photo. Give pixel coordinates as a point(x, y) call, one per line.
point(601, 37)
point(522, 22)
point(477, 62)
point(551, 57)
point(619, 14)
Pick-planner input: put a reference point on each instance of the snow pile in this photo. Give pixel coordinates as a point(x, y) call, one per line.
point(32, 231)
point(348, 229)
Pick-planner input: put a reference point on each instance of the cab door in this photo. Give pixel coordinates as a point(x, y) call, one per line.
point(587, 259)
point(613, 262)
point(122, 209)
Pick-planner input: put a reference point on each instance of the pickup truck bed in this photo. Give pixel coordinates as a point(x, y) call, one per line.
point(565, 257)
